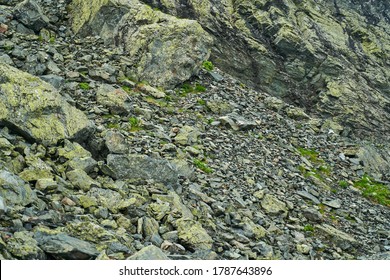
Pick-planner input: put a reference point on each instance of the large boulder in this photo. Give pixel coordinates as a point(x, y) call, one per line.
point(35, 109)
point(161, 49)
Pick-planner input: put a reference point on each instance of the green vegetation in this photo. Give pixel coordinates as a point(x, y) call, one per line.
point(84, 86)
point(135, 124)
point(343, 184)
point(201, 102)
point(188, 88)
point(113, 125)
point(199, 88)
point(310, 154)
point(320, 170)
point(308, 228)
point(208, 65)
point(373, 190)
point(202, 166)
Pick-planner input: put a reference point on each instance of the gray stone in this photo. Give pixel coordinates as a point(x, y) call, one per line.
point(30, 14)
point(307, 195)
point(337, 237)
point(115, 99)
point(149, 253)
point(312, 214)
point(335, 203)
point(141, 167)
point(14, 190)
point(237, 122)
point(63, 246)
point(54, 80)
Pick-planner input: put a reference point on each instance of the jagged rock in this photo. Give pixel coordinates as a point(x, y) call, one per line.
point(237, 122)
point(63, 246)
point(341, 239)
point(253, 230)
point(115, 99)
point(14, 190)
point(116, 143)
point(193, 235)
point(173, 49)
point(22, 245)
point(43, 116)
point(44, 184)
point(80, 179)
point(156, 93)
point(141, 167)
point(149, 253)
point(30, 14)
point(76, 157)
point(312, 214)
point(187, 135)
point(272, 205)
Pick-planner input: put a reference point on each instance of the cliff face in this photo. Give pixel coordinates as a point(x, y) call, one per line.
point(330, 57)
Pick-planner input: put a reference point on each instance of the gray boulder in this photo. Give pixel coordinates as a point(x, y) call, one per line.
point(162, 49)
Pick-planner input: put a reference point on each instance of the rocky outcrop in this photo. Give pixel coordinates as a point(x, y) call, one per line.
point(330, 57)
point(162, 49)
point(37, 111)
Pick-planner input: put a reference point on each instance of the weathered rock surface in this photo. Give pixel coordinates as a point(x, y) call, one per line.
point(212, 169)
point(162, 49)
point(329, 57)
point(142, 167)
point(37, 110)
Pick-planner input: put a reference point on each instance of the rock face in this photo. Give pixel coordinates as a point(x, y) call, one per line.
point(162, 49)
point(37, 111)
point(330, 57)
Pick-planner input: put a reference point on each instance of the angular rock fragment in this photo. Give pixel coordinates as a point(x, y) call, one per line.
point(34, 109)
point(141, 167)
point(149, 253)
point(63, 246)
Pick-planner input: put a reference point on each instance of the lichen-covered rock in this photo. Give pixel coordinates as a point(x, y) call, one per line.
point(80, 179)
point(116, 100)
point(272, 205)
point(150, 252)
point(162, 49)
point(23, 246)
point(76, 157)
point(36, 110)
point(337, 237)
point(193, 235)
point(187, 135)
point(14, 190)
point(328, 56)
point(63, 246)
